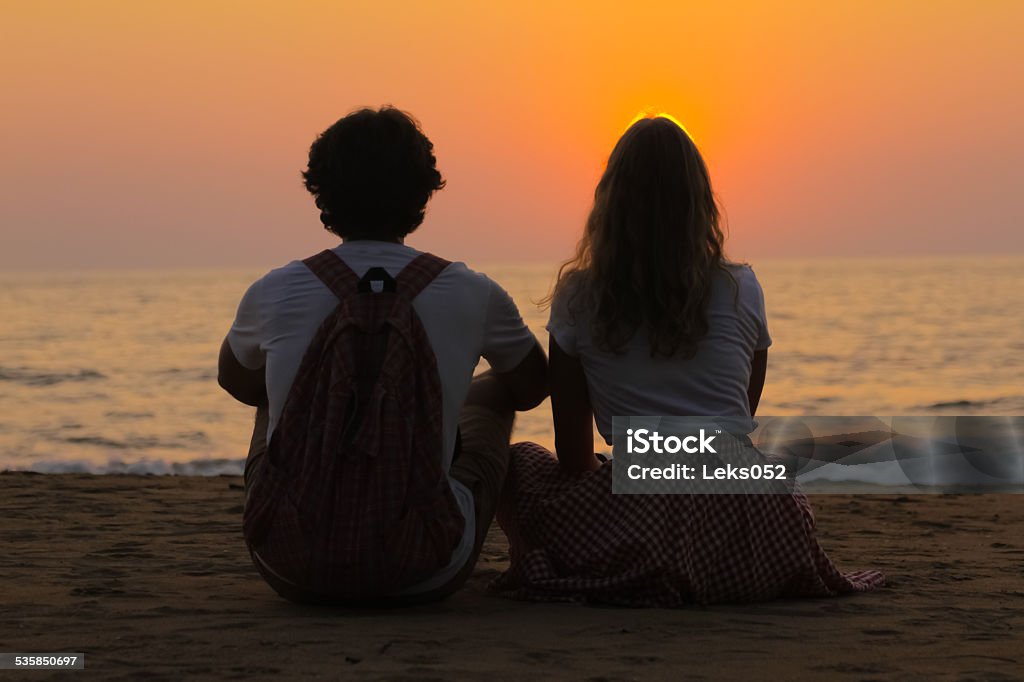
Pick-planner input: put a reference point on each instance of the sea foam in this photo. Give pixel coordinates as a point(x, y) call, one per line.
point(152, 467)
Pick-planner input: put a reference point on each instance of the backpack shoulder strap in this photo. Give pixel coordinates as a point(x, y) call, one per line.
point(333, 272)
point(420, 272)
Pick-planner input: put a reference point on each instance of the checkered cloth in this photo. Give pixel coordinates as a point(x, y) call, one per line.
point(571, 539)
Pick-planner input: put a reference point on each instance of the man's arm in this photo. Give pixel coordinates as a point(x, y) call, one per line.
point(245, 385)
point(758, 369)
point(527, 383)
point(573, 414)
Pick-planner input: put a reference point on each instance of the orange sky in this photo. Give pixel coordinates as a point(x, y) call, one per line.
point(172, 133)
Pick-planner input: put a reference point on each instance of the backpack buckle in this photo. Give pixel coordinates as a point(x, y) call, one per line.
point(377, 281)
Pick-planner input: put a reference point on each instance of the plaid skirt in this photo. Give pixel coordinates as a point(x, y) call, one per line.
point(571, 539)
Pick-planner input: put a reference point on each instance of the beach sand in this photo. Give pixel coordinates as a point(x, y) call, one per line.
point(149, 577)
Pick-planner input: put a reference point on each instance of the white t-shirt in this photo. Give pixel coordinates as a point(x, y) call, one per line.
point(711, 384)
point(465, 314)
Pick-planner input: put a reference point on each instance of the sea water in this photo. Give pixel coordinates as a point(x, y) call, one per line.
point(116, 371)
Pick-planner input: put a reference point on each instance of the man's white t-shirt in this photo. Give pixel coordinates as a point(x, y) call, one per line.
point(713, 383)
point(465, 314)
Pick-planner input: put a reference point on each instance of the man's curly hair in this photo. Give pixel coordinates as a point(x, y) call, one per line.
point(371, 174)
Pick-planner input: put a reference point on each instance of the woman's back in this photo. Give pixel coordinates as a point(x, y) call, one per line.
point(713, 382)
point(649, 319)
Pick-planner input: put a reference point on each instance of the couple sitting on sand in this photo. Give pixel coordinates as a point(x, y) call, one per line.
point(378, 460)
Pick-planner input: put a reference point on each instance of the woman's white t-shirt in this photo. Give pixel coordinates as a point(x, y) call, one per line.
point(466, 316)
point(713, 383)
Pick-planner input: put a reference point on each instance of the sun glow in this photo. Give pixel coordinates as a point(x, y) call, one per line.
point(647, 113)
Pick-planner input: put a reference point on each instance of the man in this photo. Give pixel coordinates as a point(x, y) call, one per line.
point(371, 175)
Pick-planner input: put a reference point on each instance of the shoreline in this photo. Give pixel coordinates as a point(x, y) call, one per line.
point(149, 574)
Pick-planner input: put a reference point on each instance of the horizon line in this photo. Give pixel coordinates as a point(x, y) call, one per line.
point(495, 263)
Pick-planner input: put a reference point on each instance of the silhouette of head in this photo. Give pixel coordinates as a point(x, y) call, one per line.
point(371, 175)
point(651, 245)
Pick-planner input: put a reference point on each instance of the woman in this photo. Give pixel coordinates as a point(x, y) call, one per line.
point(650, 319)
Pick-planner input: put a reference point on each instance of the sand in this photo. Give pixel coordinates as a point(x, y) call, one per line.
point(148, 576)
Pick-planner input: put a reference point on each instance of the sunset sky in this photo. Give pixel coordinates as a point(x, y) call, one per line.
point(151, 134)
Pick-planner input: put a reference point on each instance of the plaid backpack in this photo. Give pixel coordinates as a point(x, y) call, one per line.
point(353, 502)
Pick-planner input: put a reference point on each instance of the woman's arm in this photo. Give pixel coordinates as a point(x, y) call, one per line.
point(758, 369)
point(573, 416)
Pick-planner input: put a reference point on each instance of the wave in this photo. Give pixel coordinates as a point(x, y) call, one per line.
point(27, 376)
point(188, 373)
point(30, 377)
point(125, 414)
point(182, 441)
point(143, 467)
point(963, 404)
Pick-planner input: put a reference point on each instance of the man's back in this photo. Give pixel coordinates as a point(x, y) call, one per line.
point(465, 315)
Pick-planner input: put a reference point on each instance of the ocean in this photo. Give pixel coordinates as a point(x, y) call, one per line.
point(112, 372)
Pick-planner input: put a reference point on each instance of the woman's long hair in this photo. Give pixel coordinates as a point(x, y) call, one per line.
point(651, 246)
